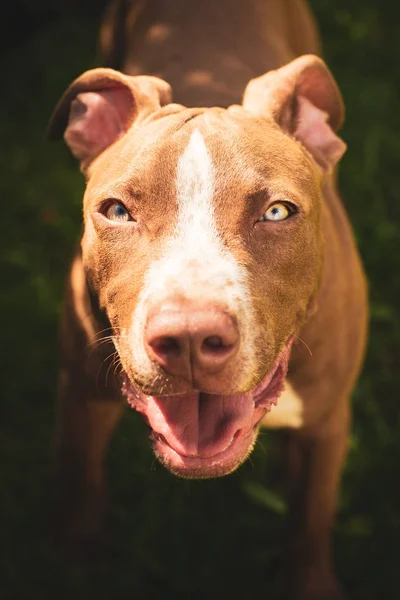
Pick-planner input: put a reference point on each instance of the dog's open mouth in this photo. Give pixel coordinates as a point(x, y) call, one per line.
point(200, 435)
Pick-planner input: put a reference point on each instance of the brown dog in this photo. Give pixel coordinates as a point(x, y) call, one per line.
point(215, 251)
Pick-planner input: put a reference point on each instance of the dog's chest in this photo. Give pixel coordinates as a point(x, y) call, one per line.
point(287, 413)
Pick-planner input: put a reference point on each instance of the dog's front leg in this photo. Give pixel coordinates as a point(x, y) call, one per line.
point(85, 426)
point(315, 460)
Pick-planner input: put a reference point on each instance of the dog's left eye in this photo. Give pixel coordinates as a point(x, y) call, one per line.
point(116, 211)
point(277, 212)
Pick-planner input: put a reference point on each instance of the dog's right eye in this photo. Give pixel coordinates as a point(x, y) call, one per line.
point(116, 211)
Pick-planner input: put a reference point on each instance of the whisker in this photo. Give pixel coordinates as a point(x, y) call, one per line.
point(110, 365)
point(117, 365)
point(95, 344)
point(102, 340)
point(251, 462)
point(304, 343)
point(98, 344)
point(100, 367)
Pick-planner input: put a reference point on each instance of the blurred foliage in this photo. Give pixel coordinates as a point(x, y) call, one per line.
point(166, 537)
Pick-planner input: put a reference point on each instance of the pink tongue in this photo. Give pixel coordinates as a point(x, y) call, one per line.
point(197, 424)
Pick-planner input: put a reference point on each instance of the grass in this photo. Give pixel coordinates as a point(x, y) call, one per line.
point(169, 538)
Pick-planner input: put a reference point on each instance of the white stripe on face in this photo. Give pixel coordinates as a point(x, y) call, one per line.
point(195, 182)
point(195, 264)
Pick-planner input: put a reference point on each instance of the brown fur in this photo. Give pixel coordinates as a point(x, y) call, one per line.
point(307, 278)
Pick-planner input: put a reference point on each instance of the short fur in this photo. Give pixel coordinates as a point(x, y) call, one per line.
point(304, 277)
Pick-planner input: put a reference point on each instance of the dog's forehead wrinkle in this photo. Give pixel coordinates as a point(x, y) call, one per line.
point(196, 136)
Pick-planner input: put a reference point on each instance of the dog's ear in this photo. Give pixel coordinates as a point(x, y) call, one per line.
point(100, 106)
point(303, 98)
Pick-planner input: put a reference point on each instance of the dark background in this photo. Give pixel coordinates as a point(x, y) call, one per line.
point(166, 537)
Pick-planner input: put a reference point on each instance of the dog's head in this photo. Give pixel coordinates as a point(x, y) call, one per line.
point(203, 244)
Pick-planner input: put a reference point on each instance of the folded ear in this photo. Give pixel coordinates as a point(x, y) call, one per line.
point(100, 106)
point(305, 101)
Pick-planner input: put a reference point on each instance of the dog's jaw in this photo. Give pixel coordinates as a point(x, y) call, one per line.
point(197, 435)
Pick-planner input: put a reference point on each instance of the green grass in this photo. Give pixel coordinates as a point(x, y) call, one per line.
point(169, 538)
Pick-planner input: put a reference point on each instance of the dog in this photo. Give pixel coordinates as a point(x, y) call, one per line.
point(217, 259)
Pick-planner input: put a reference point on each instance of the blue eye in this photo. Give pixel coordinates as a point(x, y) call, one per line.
point(278, 212)
point(117, 212)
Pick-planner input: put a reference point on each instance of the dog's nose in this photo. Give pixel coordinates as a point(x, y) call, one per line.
point(187, 341)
